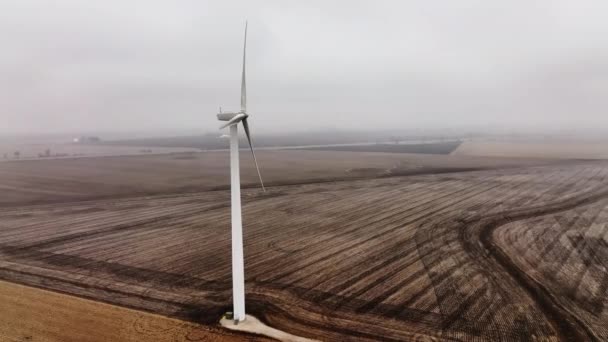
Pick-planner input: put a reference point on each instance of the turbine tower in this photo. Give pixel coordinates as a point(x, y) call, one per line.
point(238, 267)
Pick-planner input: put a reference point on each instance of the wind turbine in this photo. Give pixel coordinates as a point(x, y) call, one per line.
point(238, 267)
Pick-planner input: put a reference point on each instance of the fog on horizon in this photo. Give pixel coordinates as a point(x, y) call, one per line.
point(121, 66)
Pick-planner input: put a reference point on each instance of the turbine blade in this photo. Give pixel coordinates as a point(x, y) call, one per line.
point(234, 120)
point(246, 127)
point(243, 81)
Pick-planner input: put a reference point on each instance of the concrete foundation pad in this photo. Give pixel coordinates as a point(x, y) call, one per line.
point(254, 326)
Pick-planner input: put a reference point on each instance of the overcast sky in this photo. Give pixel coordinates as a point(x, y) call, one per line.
point(73, 65)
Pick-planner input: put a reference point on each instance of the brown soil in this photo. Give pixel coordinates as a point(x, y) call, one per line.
point(63, 180)
point(566, 260)
point(392, 258)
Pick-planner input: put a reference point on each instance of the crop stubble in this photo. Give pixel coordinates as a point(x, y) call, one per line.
point(502, 254)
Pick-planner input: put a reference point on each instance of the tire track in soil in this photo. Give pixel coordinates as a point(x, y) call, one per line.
point(567, 325)
point(446, 291)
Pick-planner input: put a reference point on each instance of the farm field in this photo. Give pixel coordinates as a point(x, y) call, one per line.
point(29, 314)
point(61, 180)
point(57, 150)
point(567, 252)
point(465, 256)
point(549, 149)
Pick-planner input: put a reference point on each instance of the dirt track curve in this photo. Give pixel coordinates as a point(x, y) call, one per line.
point(570, 327)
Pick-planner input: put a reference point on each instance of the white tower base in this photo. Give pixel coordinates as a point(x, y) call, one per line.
point(238, 267)
point(254, 326)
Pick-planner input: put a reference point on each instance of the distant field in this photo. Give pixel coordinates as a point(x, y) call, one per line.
point(432, 148)
point(68, 150)
point(75, 179)
point(468, 256)
point(213, 141)
point(570, 150)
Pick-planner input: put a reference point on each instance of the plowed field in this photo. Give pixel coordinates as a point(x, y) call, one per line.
point(505, 254)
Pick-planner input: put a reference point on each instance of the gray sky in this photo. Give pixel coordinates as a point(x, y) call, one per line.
point(73, 65)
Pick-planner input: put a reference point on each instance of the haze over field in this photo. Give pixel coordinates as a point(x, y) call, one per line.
point(73, 66)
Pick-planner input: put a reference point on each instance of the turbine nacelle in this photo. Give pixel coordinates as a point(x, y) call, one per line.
point(235, 120)
point(227, 116)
